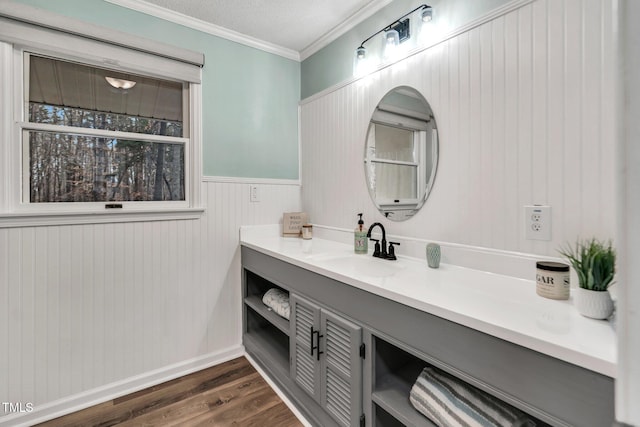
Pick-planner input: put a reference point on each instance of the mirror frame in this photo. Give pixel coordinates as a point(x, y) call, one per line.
point(396, 210)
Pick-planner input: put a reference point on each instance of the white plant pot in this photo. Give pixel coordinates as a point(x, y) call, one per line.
point(594, 304)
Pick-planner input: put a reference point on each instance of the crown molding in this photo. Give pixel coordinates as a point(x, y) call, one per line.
point(359, 16)
point(206, 27)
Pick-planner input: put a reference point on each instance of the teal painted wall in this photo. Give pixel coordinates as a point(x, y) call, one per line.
point(250, 97)
point(334, 63)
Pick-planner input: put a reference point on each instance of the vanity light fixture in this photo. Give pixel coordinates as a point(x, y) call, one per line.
point(396, 32)
point(120, 83)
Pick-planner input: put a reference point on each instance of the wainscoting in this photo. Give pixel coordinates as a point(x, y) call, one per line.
point(93, 309)
point(525, 107)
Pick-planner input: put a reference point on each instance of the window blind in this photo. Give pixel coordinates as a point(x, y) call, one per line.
point(47, 31)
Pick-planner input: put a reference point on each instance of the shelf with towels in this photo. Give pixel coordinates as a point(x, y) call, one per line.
point(392, 395)
point(396, 370)
point(255, 302)
point(265, 332)
point(254, 290)
point(397, 411)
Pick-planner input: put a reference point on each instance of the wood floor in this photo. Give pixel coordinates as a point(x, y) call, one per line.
point(230, 394)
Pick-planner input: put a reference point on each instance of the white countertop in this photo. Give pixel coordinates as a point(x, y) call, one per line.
point(499, 305)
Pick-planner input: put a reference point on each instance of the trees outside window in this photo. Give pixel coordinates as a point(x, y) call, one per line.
point(88, 140)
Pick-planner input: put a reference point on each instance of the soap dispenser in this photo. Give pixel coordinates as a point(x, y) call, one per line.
point(360, 240)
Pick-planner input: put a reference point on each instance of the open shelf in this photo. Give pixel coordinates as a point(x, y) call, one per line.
point(254, 289)
point(385, 419)
point(395, 372)
point(263, 336)
point(255, 302)
point(392, 395)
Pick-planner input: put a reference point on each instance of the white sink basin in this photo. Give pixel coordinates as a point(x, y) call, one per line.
point(359, 264)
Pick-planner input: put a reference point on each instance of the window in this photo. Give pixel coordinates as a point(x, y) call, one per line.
point(96, 128)
point(121, 159)
point(395, 157)
point(398, 159)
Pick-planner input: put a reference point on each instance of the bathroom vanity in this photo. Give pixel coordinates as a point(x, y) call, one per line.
point(361, 330)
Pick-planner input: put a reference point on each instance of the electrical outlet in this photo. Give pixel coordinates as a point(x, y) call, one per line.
point(537, 221)
point(254, 194)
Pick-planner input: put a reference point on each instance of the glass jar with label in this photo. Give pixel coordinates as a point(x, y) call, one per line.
point(307, 231)
point(552, 280)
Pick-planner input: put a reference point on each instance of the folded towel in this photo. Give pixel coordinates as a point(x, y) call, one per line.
point(277, 300)
point(450, 402)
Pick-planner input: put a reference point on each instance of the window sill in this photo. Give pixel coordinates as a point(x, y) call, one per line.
point(37, 219)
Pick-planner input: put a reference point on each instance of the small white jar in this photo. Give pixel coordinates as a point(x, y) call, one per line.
point(552, 280)
point(307, 231)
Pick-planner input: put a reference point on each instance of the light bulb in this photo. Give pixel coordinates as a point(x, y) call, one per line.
point(427, 14)
point(361, 63)
point(393, 38)
point(392, 45)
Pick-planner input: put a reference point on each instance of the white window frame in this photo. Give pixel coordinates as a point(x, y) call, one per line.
point(14, 211)
point(419, 149)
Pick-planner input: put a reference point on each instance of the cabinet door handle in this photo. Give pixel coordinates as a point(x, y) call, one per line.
point(311, 340)
point(317, 343)
point(318, 353)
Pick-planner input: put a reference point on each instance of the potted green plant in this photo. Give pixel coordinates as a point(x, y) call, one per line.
point(595, 264)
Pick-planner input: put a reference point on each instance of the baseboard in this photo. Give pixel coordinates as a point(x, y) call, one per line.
point(111, 391)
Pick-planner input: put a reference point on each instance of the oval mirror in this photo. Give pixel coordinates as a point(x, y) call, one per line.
point(401, 153)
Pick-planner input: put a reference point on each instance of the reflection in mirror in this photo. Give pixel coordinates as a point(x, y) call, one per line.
point(401, 153)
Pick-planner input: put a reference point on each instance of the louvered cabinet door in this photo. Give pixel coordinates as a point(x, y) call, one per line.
point(341, 369)
point(304, 331)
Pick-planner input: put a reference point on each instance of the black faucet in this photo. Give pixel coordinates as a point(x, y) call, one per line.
point(380, 251)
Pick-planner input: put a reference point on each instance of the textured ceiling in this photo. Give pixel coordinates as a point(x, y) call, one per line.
point(293, 24)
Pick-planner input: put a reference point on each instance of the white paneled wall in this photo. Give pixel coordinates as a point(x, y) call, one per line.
point(89, 305)
point(524, 106)
point(628, 327)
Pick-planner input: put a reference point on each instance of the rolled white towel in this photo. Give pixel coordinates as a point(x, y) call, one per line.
point(450, 402)
point(277, 300)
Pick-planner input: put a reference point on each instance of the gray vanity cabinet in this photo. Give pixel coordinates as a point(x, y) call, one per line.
point(317, 357)
point(325, 359)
